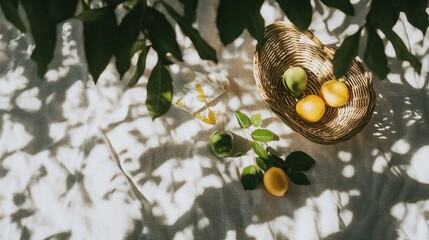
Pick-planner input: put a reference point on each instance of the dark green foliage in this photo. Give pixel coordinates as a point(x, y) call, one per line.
point(299, 12)
point(203, 48)
point(143, 23)
point(345, 54)
point(159, 91)
point(10, 10)
point(99, 36)
point(44, 32)
point(234, 16)
point(343, 5)
point(128, 31)
point(374, 55)
point(161, 34)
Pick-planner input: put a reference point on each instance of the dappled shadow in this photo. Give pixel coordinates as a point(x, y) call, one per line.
point(166, 183)
point(357, 185)
point(48, 133)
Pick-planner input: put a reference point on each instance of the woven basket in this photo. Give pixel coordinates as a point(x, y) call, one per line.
point(286, 46)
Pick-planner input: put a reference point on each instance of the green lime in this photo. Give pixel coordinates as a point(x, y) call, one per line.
point(295, 80)
point(221, 143)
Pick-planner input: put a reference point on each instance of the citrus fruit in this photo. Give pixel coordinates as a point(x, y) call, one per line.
point(275, 181)
point(295, 80)
point(311, 108)
point(221, 143)
point(335, 93)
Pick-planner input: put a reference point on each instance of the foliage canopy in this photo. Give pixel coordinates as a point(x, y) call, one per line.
point(146, 27)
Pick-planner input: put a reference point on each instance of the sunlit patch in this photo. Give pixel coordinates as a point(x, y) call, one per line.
point(248, 99)
point(346, 216)
point(412, 116)
point(348, 171)
point(394, 78)
point(268, 12)
point(414, 79)
point(401, 146)
point(336, 20)
point(187, 233)
point(345, 156)
point(234, 103)
point(29, 101)
point(14, 136)
point(419, 159)
point(13, 81)
point(238, 42)
point(411, 219)
point(260, 231)
point(231, 235)
point(380, 164)
point(186, 130)
point(354, 193)
point(398, 211)
point(73, 106)
point(78, 135)
point(203, 222)
point(57, 130)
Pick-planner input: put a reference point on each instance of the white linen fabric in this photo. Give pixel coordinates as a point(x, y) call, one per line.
point(80, 160)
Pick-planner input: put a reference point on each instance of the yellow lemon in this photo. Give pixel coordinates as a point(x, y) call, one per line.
point(311, 108)
point(276, 182)
point(335, 93)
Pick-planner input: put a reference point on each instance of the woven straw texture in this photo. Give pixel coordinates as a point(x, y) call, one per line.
point(286, 46)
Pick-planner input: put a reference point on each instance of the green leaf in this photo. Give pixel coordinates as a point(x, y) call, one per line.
point(161, 34)
point(299, 161)
point(254, 21)
point(159, 91)
point(44, 31)
point(130, 4)
point(343, 5)
point(203, 48)
point(242, 119)
point(261, 163)
point(345, 54)
point(383, 13)
point(401, 50)
point(60, 10)
point(140, 67)
point(128, 31)
point(230, 20)
point(239, 154)
point(256, 119)
point(138, 45)
point(251, 177)
point(298, 11)
point(416, 13)
point(10, 11)
point(99, 36)
point(114, 2)
point(298, 178)
point(190, 10)
point(277, 161)
point(374, 55)
point(94, 14)
point(259, 150)
point(262, 135)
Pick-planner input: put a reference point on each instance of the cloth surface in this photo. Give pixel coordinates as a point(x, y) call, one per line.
point(86, 161)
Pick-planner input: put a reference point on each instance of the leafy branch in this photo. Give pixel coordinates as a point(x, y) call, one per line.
point(145, 27)
point(293, 165)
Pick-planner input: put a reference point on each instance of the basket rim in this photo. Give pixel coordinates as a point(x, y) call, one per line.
point(329, 50)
